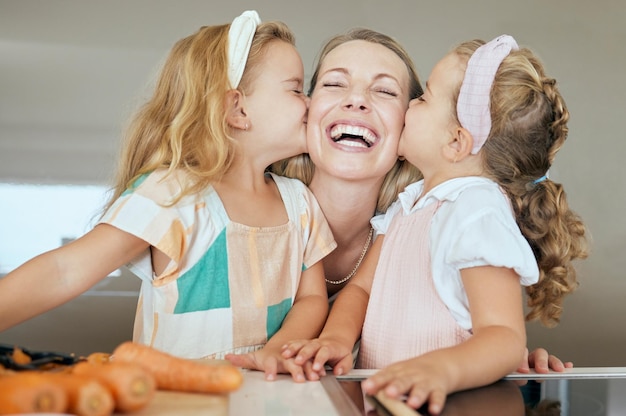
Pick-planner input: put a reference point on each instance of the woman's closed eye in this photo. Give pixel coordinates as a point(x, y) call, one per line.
point(387, 91)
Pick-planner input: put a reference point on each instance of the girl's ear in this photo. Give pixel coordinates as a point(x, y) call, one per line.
point(460, 145)
point(236, 115)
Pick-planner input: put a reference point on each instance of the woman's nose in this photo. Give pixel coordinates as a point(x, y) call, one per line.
point(356, 99)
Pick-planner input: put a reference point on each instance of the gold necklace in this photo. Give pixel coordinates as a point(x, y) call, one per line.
point(358, 262)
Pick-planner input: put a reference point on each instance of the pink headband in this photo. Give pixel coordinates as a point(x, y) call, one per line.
point(472, 107)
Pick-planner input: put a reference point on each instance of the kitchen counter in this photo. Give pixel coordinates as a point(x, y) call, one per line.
point(580, 391)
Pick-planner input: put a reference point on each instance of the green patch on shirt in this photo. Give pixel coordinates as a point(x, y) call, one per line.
point(135, 184)
point(205, 285)
point(276, 315)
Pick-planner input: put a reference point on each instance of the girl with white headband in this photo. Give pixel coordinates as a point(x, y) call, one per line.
point(437, 300)
point(226, 253)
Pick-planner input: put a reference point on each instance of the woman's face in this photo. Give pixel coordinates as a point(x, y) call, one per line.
point(357, 111)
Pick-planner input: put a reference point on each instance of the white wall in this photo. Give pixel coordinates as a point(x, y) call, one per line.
point(71, 70)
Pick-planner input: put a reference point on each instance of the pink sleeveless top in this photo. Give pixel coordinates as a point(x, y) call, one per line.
point(405, 315)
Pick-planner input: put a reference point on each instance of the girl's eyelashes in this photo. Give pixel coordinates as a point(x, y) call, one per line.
point(421, 98)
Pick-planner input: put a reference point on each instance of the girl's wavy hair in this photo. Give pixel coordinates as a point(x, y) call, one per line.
point(183, 125)
point(402, 173)
point(529, 125)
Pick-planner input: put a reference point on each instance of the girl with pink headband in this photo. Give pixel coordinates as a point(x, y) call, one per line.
point(437, 302)
point(229, 255)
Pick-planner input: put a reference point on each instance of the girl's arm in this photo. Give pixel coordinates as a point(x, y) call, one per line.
point(304, 320)
point(494, 350)
point(344, 324)
point(59, 275)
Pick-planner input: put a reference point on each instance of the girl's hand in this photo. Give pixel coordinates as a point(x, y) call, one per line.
point(422, 380)
point(317, 352)
point(272, 363)
point(542, 362)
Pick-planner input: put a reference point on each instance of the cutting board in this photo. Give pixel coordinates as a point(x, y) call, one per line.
point(184, 404)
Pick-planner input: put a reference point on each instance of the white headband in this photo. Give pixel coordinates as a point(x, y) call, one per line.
point(240, 36)
point(472, 106)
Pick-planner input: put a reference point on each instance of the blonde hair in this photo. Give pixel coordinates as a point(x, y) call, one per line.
point(183, 125)
point(529, 126)
point(402, 173)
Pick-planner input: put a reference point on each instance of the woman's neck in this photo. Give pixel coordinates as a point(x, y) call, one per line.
point(348, 205)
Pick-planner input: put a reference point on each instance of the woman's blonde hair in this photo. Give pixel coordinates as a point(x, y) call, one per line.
point(529, 126)
point(183, 125)
point(402, 173)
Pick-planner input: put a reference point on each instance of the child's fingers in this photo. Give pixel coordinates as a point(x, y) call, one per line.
point(322, 356)
point(343, 366)
point(296, 371)
point(378, 381)
point(419, 390)
point(290, 349)
point(418, 396)
point(242, 360)
point(524, 365)
point(308, 351)
point(270, 366)
point(311, 374)
point(554, 363)
point(436, 402)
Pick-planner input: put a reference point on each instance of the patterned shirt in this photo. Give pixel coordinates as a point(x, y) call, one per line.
point(228, 286)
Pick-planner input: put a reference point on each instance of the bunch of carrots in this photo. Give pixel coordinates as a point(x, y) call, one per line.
point(124, 382)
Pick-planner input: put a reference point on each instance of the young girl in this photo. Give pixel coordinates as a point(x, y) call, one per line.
point(227, 254)
point(444, 308)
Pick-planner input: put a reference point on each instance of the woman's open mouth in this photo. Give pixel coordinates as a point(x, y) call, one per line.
point(356, 136)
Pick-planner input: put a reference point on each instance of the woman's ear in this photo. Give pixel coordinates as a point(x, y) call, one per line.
point(236, 115)
point(460, 145)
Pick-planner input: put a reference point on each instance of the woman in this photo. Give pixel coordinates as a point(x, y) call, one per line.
point(360, 91)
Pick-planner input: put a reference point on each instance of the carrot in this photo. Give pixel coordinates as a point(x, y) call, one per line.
point(6, 372)
point(179, 374)
point(130, 384)
point(86, 395)
point(19, 356)
point(99, 357)
point(30, 392)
